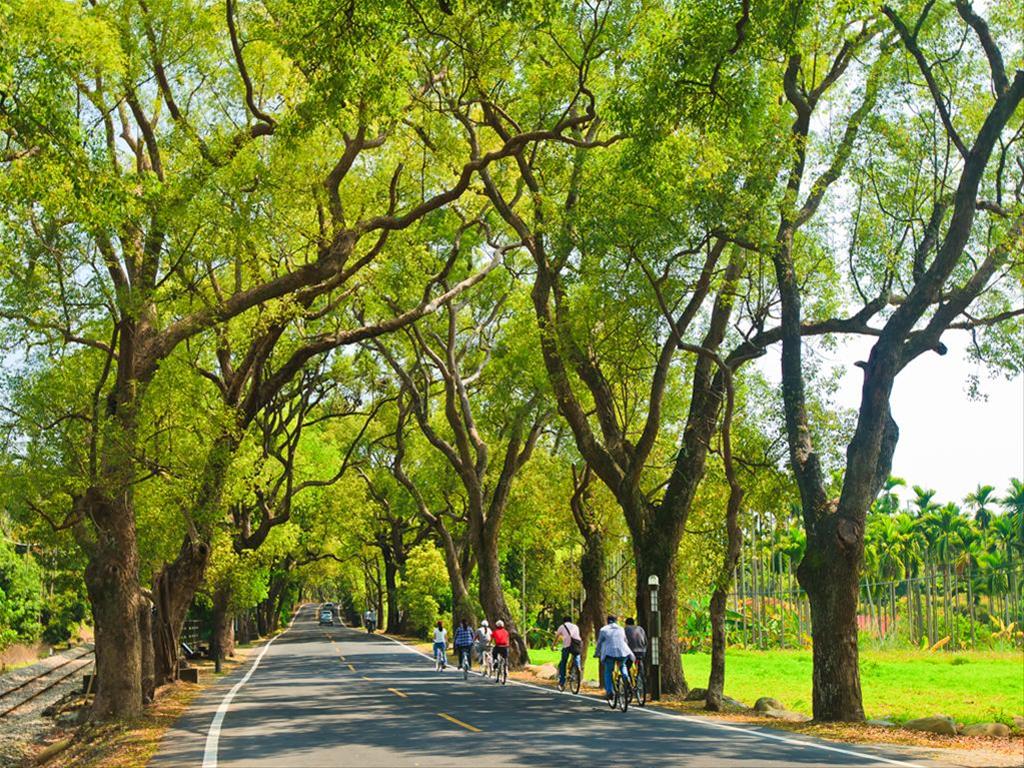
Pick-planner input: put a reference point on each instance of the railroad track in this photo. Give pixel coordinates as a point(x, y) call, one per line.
point(8, 705)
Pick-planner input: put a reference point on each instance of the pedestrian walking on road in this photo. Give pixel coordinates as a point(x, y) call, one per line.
point(612, 649)
point(441, 644)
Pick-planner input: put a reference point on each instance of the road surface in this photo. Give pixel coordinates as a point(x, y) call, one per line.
point(333, 696)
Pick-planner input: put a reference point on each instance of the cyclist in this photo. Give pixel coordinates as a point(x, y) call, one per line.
point(612, 649)
point(441, 643)
point(572, 646)
point(482, 643)
point(464, 642)
point(501, 639)
point(636, 638)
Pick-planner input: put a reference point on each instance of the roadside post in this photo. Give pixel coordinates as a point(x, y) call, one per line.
point(654, 635)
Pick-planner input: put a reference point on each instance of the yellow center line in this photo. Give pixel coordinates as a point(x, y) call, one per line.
point(352, 667)
point(399, 693)
point(368, 678)
point(451, 719)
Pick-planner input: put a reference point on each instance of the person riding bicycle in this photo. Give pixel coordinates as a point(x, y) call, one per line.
point(464, 643)
point(636, 638)
point(572, 646)
point(612, 649)
point(501, 640)
point(482, 640)
point(441, 644)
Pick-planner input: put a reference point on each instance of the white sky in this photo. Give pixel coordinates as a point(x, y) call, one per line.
point(948, 441)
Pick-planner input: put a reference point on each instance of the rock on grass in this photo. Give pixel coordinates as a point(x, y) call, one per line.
point(935, 724)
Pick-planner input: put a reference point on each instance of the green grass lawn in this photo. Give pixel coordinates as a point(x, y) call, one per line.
point(971, 687)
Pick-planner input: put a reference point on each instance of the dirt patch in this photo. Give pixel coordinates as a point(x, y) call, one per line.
point(21, 655)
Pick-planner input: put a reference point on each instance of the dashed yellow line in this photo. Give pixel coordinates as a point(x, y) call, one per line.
point(350, 666)
point(451, 719)
point(368, 678)
point(399, 693)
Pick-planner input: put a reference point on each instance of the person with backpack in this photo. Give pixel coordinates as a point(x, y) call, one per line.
point(572, 647)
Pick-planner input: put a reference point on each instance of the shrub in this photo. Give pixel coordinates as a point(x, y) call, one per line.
point(20, 597)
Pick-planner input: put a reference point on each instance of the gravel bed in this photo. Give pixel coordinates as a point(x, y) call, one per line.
point(28, 722)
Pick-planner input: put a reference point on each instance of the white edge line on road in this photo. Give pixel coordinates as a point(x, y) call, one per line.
point(696, 720)
point(213, 736)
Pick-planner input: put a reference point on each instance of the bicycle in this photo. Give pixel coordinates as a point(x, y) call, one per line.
point(574, 675)
point(622, 687)
point(464, 662)
point(640, 684)
point(501, 670)
point(487, 662)
point(439, 659)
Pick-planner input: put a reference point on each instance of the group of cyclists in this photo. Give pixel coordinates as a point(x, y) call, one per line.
point(488, 645)
point(618, 647)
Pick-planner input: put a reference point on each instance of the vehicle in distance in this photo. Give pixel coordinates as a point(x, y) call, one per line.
point(326, 617)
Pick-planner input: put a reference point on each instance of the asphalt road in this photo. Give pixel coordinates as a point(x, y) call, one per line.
point(333, 696)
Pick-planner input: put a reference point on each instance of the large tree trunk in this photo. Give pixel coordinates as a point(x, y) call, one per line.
point(656, 554)
point(394, 620)
point(830, 574)
point(462, 604)
point(734, 540)
point(146, 642)
point(592, 568)
point(222, 637)
point(112, 581)
point(492, 599)
point(174, 586)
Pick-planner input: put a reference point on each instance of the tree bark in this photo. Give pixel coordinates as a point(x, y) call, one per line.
point(830, 575)
point(222, 638)
point(655, 555)
point(394, 617)
point(174, 586)
point(734, 540)
point(492, 599)
point(112, 582)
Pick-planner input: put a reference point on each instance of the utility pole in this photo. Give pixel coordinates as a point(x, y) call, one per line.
point(654, 634)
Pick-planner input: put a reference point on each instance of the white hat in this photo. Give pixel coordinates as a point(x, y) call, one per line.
point(499, 623)
point(483, 623)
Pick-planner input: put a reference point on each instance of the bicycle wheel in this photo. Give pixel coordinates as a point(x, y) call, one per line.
point(640, 686)
point(574, 677)
point(622, 693)
point(504, 671)
point(465, 666)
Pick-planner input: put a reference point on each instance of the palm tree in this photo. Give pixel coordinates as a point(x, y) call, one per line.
point(924, 500)
point(888, 502)
point(979, 500)
point(945, 523)
point(911, 544)
point(1013, 503)
point(971, 549)
point(1006, 531)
